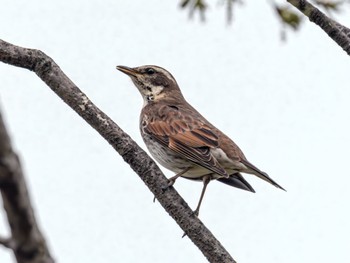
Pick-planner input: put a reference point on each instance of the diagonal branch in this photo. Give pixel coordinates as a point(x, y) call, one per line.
point(139, 161)
point(26, 241)
point(339, 33)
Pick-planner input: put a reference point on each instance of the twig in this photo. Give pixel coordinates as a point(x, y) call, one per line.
point(8, 243)
point(339, 33)
point(139, 161)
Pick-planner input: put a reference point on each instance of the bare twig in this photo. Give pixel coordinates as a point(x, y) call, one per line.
point(339, 33)
point(139, 161)
point(26, 241)
point(8, 243)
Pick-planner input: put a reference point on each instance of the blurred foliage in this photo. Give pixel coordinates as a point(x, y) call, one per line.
point(201, 6)
point(330, 6)
point(229, 5)
point(289, 17)
point(193, 6)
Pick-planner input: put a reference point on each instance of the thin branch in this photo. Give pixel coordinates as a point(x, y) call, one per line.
point(26, 241)
point(139, 161)
point(339, 33)
point(8, 243)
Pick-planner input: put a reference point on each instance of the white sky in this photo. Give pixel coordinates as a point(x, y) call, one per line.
point(285, 104)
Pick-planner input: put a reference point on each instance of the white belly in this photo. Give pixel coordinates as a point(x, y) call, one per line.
point(175, 163)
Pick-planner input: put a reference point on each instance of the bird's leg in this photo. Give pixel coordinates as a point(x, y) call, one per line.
point(173, 179)
point(206, 180)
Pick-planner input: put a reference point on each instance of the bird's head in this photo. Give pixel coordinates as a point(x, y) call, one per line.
point(153, 82)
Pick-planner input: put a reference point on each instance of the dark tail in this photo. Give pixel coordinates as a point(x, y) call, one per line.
point(237, 180)
point(262, 175)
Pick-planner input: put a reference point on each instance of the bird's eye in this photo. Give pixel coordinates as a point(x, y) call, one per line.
point(150, 71)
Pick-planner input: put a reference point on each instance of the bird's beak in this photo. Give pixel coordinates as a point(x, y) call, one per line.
point(128, 71)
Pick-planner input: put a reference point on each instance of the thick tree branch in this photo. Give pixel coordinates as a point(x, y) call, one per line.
point(139, 161)
point(339, 33)
point(26, 241)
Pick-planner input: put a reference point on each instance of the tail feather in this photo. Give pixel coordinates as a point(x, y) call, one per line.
point(262, 175)
point(237, 180)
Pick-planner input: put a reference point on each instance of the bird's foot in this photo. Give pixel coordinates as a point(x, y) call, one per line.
point(171, 180)
point(170, 183)
point(196, 212)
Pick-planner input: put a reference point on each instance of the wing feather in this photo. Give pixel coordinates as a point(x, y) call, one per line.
point(191, 139)
point(198, 155)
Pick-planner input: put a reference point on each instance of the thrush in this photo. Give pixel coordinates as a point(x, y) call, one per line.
point(182, 140)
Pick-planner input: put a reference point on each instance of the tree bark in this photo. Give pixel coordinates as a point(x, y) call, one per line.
point(339, 33)
point(138, 160)
point(26, 241)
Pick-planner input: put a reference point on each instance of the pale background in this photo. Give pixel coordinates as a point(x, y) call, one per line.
point(285, 104)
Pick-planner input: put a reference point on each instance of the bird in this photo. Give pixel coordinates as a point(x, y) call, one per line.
point(182, 140)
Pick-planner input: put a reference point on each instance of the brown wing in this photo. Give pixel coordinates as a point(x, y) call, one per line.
point(188, 138)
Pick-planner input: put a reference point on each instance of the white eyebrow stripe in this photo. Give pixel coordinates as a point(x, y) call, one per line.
point(166, 73)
